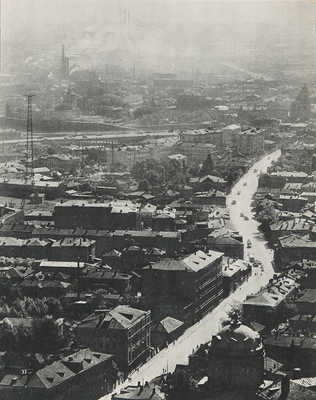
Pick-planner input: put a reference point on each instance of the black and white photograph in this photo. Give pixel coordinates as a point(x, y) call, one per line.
point(157, 199)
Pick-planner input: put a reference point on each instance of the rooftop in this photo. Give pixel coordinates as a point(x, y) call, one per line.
point(169, 324)
point(121, 317)
point(309, 296)
point(193, 263)
point(61, 264)
point(293, 241)
point(142, 392)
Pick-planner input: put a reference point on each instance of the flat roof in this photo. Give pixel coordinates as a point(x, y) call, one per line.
point(61, 264)
point(195, 262)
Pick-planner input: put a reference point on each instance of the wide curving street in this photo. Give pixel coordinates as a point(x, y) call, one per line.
point(178, 352)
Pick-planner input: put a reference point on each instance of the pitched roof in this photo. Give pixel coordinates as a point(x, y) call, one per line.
point(86, 358)
point(121, 317)
point(144, 392)
point(170, 324)
point(50, 376)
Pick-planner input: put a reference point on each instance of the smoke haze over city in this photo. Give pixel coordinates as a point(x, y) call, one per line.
point(175, 36)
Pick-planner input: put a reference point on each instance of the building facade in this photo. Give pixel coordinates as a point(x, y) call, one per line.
point(123, 331)
point(186, 288)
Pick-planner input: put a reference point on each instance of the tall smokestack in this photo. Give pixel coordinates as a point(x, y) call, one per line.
point(64, 65)
point(62, 53)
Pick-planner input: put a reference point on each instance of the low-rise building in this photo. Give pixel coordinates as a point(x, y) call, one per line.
point(234, 273)
point(301, 322)
point(306, 303)
point(209, 182)
point(292, 203)
point(166, 331)
point(227, 241)
point(72, 249)
point(308, 281)
point(293, 248)
point(147, 391)
point(65, 267)
point(265, 306)
point(292, 226)
point(212, 197)
point(293, 351)
point(92, 276)
point(178, 160)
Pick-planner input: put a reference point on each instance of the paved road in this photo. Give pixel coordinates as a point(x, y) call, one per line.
point(202, 331)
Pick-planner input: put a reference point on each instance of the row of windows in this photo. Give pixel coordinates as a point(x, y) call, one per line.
point(207, 282)
point(142, 324)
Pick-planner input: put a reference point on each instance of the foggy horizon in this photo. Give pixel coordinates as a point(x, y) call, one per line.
point(155, 35)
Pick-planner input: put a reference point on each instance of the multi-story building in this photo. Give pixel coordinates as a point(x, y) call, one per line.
point(71, 249)
point(230, 133)
point(250, 142)
point(68, 249)
point(123, 331)
point(170, 241)
point(196, 152)
point(130, 155)
point(109, 215)
point(83, 374)
point(184, 288)
point(104, 240)
point(234, 360)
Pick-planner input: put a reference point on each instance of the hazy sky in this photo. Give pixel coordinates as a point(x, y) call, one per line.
point(164, 31)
